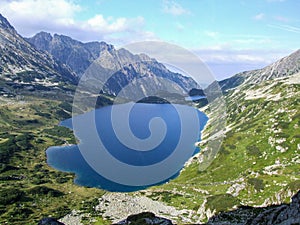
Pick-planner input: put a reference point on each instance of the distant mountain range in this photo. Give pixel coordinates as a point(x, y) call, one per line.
point(60, 58)
point(44, 57)
point(122, 65)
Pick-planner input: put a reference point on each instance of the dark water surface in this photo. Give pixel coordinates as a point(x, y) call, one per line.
point(70, 159)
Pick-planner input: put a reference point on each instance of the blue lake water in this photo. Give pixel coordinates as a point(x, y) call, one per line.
point(71, 159)
point(194, 98)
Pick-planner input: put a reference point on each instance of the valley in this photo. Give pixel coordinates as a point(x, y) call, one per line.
point(257, 165)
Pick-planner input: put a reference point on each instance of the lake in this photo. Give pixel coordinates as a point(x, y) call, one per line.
point(160, 139)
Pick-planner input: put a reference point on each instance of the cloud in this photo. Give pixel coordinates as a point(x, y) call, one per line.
point(58, 16)
point(179, 26)
point(174, 8)
point(57, 11)
point(211, 34)
point(231, 55)
point(288, 28)
point(281, 19)
point(259, 16)
point(225, 61)
point(111, 25)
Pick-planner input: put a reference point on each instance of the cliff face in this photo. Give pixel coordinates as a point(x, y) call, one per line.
point(271, 215)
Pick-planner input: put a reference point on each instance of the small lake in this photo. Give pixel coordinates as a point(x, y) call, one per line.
point(144, 126)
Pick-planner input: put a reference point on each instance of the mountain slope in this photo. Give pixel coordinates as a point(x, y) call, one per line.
point(275, 215)
point(257, 165)
point(22, 66)
point(258, 162)
point(284, 67)
point(77, 55)
point(123, 66)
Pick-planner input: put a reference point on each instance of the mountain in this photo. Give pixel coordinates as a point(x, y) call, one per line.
point(77, 55)
point(282, 68)
point(45, 62)
point(257, 165)
point(121, 65)
point(22, 67)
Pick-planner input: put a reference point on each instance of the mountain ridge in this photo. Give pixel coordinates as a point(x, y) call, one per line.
point(74, 53)
point(123, 66)
point(283, 67)
point(23, 68)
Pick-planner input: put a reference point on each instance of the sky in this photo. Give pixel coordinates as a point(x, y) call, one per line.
point(230, 36)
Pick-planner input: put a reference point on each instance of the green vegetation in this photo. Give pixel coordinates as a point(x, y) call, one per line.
point(258, 184)
point(29, 188)
point(259, 156)
point(222, 202)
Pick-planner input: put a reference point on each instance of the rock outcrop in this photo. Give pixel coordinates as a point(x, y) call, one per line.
point(145, 218)
point(49, 221)
point(284, 214)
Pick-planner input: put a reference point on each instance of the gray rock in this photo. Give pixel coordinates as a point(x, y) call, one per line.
point(20, 61)
point(284, 214)
point(121, 65)
point(49, 221)
point(145, 218)
point(284, 67)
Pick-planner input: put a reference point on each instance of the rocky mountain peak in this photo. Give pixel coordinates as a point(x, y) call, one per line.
point(286, 66)
point(43, 35)
point(77, 55)
point(42, 39)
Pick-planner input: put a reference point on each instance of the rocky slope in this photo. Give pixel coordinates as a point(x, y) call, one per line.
point(284, 214)
point(77, 55)
point(23, 66)
point(271, 215)
point(121, 65)
point(284, 67)
point(256, 168)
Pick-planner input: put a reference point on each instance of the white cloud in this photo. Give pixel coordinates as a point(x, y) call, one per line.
point(174, 8)
point(58, 16)
point(225, 61)
point(286, 28)
point(259, 16)
point(211, 34)
point(60, 11)
point(226, 54)
point(111, 25)
point(281, 18)
point(179, 26)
